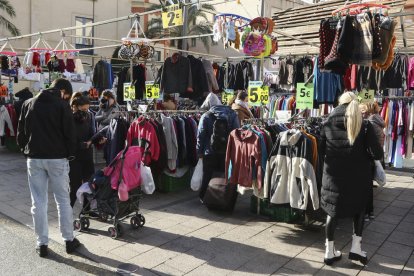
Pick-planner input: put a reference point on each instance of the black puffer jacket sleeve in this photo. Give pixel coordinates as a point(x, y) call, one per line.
point(372, 142)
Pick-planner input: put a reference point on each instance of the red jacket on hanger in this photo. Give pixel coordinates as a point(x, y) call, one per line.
point(143, 134)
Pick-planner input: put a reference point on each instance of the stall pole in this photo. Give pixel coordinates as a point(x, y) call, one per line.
point(259, 63)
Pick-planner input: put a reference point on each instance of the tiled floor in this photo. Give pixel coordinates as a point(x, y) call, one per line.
point(181, 237)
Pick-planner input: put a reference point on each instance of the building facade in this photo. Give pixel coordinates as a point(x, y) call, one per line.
point(33, 16)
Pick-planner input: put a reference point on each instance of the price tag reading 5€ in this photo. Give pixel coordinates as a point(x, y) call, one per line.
point(366, 96)
point(258, 94)
point(172, 17)
point(129, 92)
point(227, 96)
point(304, 96)
point(152, 91)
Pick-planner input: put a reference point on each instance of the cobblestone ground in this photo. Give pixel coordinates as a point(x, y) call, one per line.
point(181, 237)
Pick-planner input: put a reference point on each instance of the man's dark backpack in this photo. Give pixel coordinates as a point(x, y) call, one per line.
point(220, 135)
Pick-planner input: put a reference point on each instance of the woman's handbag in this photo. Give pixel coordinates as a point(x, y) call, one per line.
point(379, 174)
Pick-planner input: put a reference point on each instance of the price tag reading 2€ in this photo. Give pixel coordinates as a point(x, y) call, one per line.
point(129, 92)
point(152, 91)
point(258, 94)
point(172, 17)
point(304, 96)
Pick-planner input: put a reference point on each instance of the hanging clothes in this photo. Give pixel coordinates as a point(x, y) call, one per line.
point(176, 75)
point(290, 171)
point(5, 120)
point(327, 86)
point(102, 76)
point(244, 73)
point(200, 84)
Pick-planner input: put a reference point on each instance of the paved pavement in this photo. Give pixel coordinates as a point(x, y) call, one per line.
point(16, 249)
point(181, 237)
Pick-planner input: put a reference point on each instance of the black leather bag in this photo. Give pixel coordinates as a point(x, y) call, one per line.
point(220, 195)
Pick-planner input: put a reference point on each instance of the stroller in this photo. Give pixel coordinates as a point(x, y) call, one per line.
point(104, 185)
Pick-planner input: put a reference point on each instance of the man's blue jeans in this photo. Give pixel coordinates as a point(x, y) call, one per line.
point(54, 173)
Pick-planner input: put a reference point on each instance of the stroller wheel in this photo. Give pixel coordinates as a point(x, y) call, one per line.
point(141, 220)
point(85, 223)
point(135, 222)
point(77, 225)
point(113, 232)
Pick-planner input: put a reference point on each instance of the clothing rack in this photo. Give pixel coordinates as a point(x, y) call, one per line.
point(394, 97)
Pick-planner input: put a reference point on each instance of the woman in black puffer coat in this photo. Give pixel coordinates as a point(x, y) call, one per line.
point(350, 146)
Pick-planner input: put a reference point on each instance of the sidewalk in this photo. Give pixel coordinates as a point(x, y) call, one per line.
point(181, 237)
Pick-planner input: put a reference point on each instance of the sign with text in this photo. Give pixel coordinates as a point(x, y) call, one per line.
point(366, 96)
point(152, 91)
point(304, 96)
point(172, 16)
point(258, 94)
point(129, 92)
point(227, 96)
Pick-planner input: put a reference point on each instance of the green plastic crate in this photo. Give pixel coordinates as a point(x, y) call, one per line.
point(278, 213)
point(168, 184)
point(11, 144)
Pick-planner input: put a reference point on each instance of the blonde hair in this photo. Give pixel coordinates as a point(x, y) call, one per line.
point(353, 115)
point(373, 108)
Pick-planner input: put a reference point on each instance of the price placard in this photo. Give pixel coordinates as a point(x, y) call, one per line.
point(129, 92)
point(172, 17)
point(304, 96)
point(152, 91)
point(366, 96)
point(227, 96)
point(258, 94)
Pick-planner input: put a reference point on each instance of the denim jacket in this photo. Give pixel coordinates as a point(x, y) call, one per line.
point(205, 127)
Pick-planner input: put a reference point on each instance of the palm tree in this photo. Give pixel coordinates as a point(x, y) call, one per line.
point(155, 30)
point(8, 8)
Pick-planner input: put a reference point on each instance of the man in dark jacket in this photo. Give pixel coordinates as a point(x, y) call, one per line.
point(23, 95)
point(213, 161)
point(46, 136)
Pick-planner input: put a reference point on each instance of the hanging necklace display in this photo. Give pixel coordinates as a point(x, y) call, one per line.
point(135, 47)
point(41, 45)
point(38, 55)
point(9, 61)
point(64, 49)
point(7, 45)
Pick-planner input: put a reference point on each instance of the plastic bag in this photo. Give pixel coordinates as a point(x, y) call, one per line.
point(197, 178)
point(147, 181)
point(379, 174)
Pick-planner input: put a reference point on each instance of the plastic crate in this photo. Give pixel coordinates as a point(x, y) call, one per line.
point(167, 184)
point(280, 213)
point(11, 144)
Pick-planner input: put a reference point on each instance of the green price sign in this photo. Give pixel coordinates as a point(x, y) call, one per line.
point(304, 96)
point(129, 92)
point(227, 96)
point(152, 91)
point(366, 96)
point(258, 94)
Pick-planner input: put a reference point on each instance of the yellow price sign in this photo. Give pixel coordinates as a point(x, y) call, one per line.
point(366, 96)
point(129, 92)
point(172, 17)
point(258, 94)
point(227, 96)
point(152, 91)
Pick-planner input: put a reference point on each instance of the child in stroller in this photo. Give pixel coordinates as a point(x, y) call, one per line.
point(123, 170)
